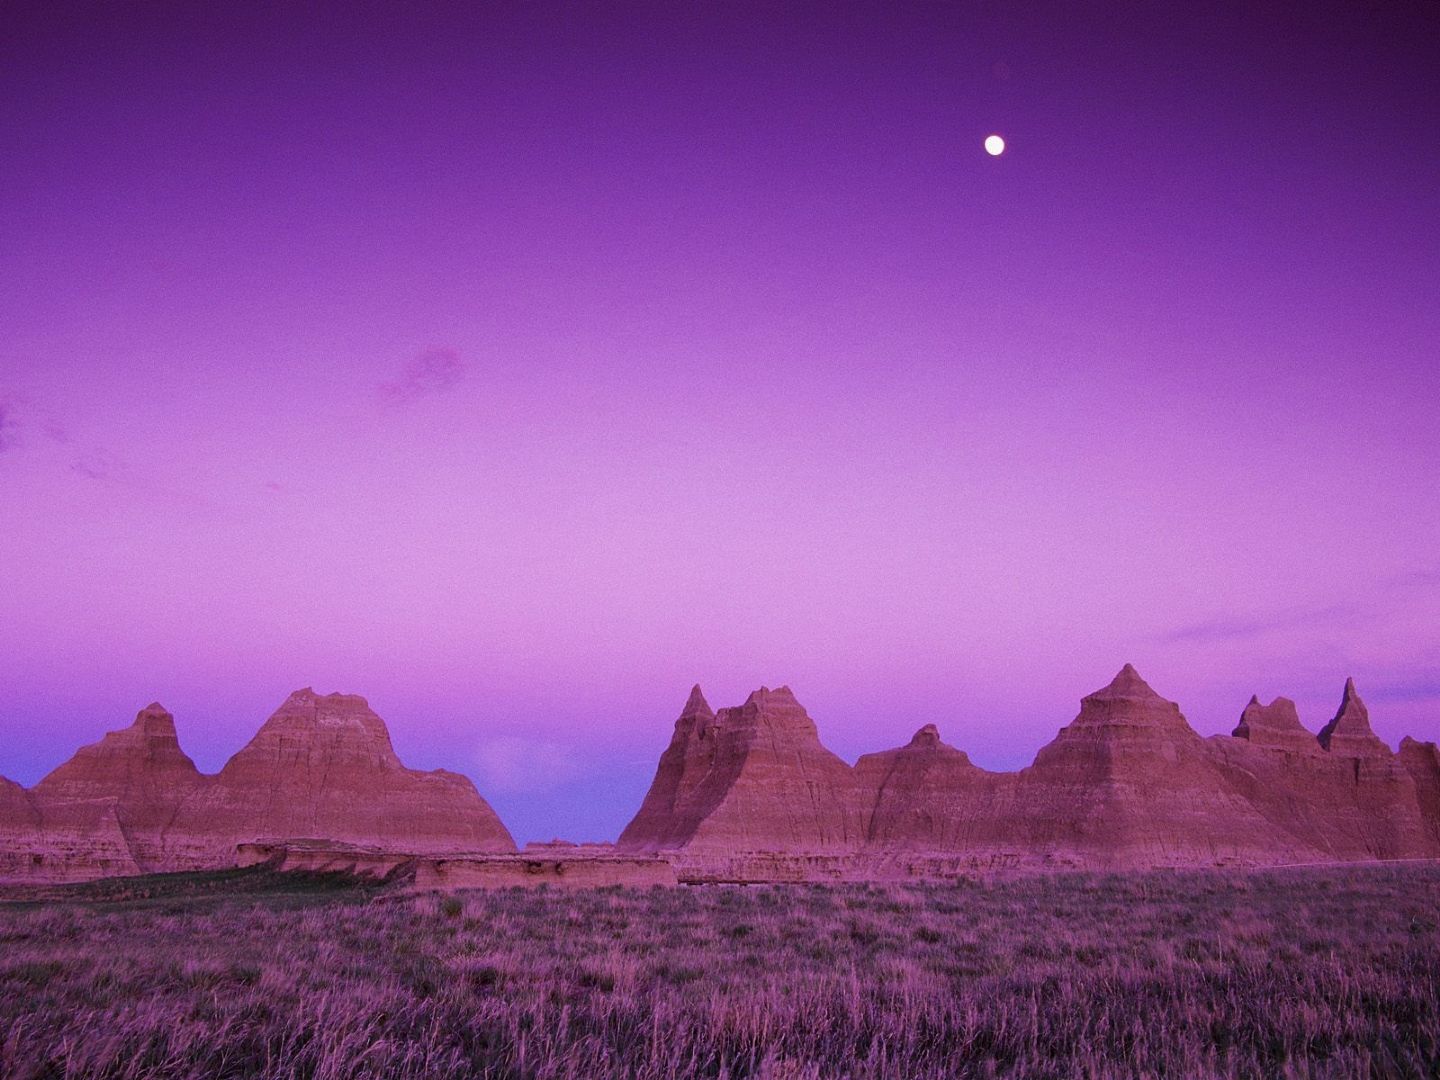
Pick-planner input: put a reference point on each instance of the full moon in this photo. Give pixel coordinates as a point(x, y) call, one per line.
point(994, 145)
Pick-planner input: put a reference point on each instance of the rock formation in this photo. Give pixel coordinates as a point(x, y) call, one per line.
point(755, 777)
point(108, 808)
point(1344, 795)
point(750, 793)
point(19, 830)
point(1422, 762)
point(1276, 725)
point(1348, 732)
point(929, 796)
point(321, 768)
point(1127, 783)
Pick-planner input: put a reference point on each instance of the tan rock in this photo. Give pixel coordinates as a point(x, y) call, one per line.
point(322, 767)
point(1130, 783)
point(929, 796)
point(671, 811)
point(754, 777)
point(1349, 732)
point(1351, 800)
point(1275, 725)
point(1422, 762)
point(108, 808)
point(19, 830)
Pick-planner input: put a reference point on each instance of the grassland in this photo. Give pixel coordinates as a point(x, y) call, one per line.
point(1299, 973)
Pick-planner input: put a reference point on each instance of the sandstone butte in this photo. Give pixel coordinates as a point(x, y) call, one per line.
point(1127, 783)
point(753, 791)
point(321, 767)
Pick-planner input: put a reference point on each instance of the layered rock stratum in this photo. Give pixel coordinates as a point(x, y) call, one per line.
point(321, 767)
point(751, 777)
point(751, 793)
point(1127, 783)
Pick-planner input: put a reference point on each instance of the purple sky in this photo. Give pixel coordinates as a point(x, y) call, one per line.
point(518, 366)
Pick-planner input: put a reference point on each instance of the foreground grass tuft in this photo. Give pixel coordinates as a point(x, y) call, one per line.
point(1300, 973)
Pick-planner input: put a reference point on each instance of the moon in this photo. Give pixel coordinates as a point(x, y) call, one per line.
point(994, 145)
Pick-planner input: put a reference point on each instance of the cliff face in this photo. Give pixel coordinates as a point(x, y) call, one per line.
point(1127, 783)
point(1422, 762)
point(1343, 795)
point(19, 830)
point(929, 796)
point(752, 790)
point(754, 777)
point(322, 767)
point(108, 809)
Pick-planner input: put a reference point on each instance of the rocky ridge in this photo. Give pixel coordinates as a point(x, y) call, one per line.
point(1127, 783)
point(322, 766)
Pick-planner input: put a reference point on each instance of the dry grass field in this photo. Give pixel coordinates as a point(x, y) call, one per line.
point(1294, 973)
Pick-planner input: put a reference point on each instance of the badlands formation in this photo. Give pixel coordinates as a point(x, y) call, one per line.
point(751, 792)
point(321, 767)
point(746, 794)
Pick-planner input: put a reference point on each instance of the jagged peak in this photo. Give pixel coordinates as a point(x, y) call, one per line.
point(1276, 724)
point(154, 721)
point(929, 735)
point(1127, 684)
point(1410, 742)
point(1351, 720)
point(781, 695)
point(695, 704)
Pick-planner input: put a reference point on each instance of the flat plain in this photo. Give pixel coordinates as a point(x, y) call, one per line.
point(1305, 972)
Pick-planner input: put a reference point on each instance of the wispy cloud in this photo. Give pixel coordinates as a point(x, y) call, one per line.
point(1420, 687)
point(95, 464)
point(103, 467)
point(1240, 629)
point(434, 371)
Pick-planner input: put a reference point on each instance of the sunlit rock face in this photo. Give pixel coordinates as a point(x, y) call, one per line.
point(1422, 762)
point(1348, 797)
point(322, 767)
point(929, 796)
point(750, 778)
point(1129, 782)
point(1275, 726)
point(108, 809)
point(19, 830)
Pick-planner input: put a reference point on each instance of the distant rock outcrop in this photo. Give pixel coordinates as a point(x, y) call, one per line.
point(1422, 762)
point(751, 793)
point(754, 777)
point(1348, 732)
point(1345, 796)
point(929, 796)
point(1276, 725)
point(1127, 783)
point(107, 810)
point(321, 768)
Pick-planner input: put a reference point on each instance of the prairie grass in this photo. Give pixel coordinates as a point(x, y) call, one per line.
point(1296, 973)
